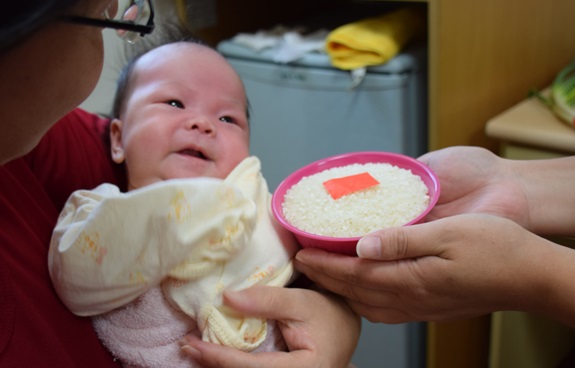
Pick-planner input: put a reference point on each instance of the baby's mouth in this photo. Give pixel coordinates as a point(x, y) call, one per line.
point(193, 153)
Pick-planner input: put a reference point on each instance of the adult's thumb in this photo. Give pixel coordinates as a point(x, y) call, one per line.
point(397, 243)
point(262, 301)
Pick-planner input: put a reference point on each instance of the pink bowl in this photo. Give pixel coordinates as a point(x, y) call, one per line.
point(348, 245)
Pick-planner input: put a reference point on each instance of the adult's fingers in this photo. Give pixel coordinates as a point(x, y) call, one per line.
point(370, 282)
point(218, 356)
point(309, 321)
point(380, 314)
point(404, 242)
point(266, 302)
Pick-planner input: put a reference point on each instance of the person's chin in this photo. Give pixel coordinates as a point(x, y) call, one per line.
point(191, 170)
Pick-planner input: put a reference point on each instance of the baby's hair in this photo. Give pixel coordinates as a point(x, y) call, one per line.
point(165, 36)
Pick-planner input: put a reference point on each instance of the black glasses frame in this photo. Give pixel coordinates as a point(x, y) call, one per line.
point(142, 29)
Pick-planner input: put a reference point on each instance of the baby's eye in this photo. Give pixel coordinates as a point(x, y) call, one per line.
point(175, 103)
point(227, 119)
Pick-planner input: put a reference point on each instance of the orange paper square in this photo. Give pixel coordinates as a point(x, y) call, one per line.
point(340, 187)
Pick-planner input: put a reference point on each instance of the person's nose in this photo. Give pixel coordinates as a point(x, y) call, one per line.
point(202, 124)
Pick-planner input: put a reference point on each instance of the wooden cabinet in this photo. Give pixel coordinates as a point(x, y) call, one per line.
point(484, 56)
point(527, 131)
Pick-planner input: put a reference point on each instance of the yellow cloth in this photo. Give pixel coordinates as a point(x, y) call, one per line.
point(373, 41)
point(194, 238)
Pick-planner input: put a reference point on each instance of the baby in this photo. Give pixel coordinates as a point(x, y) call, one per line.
point(151, 264)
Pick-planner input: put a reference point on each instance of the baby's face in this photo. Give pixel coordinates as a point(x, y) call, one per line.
point(185, 117)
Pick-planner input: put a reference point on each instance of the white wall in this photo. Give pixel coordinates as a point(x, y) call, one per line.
point(100, 101)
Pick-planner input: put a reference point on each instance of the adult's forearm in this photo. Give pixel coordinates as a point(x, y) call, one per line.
point(550, 280)
point(550, 190)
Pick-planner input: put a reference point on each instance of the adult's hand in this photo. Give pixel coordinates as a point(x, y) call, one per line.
point(474, 180)
point(452, 268)
point(536, 194)
point(465, 261)
point(320, 330)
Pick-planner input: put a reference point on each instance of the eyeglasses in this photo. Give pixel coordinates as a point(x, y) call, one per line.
point(132, 19)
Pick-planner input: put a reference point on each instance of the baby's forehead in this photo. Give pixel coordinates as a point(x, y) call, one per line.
point(162, 58)
point(166, 53)
point(183, 57)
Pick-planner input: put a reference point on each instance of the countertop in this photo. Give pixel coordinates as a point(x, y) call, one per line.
point(532, 123)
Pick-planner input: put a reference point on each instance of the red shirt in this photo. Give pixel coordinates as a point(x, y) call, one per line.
point(36, 329)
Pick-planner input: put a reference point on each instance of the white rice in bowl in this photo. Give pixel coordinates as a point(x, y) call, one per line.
point(399, 197)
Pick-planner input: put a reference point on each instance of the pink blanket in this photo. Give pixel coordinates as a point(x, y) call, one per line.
point(145, 333)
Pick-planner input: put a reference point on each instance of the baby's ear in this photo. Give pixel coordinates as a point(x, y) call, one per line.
point(116, 141)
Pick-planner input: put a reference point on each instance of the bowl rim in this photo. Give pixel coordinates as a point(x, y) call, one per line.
point(309, 169)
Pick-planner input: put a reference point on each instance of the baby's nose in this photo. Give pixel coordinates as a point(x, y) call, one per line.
point(202, 124)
